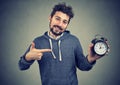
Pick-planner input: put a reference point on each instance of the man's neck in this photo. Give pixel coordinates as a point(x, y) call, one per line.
point(54, 36)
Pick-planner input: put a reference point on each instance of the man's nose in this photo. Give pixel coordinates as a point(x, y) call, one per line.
point(60, 23)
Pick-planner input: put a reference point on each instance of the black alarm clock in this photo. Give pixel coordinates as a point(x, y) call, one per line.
point(100, 46)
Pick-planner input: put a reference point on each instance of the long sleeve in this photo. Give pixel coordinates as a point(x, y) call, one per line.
point(23, 64)
point(81, 61)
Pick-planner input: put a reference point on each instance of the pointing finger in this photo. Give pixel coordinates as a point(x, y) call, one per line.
point(44, 50)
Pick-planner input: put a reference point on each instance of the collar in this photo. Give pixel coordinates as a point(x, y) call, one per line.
point(54, 37)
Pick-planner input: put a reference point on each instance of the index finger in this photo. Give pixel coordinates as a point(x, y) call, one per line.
point(44, 50)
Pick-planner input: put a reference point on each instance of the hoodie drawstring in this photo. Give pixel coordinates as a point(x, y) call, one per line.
point(51, 46)
point(60, 56)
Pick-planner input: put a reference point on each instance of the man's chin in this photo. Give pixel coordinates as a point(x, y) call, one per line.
point(56, 33)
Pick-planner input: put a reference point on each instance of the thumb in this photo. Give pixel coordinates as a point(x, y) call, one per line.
point(32, 45)
point(90, 53)
point(90, 47)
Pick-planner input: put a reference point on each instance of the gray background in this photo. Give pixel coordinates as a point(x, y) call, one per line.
point(23, 20)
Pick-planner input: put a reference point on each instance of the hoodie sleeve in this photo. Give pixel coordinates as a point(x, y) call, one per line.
point(81, 61)
point(23, 63)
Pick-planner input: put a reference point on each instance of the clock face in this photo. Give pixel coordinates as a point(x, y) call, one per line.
point(100, 48)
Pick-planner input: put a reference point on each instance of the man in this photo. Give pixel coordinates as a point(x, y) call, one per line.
point(58, 52)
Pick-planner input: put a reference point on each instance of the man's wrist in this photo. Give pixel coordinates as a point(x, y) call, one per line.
point(91, 61)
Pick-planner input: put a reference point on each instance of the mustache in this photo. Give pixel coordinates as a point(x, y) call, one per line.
point(58, 27)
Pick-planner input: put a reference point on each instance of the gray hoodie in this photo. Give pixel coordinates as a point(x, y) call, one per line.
point(59, 66)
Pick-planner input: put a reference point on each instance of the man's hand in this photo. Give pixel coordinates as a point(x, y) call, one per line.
point(91, 56)
point(35, 54)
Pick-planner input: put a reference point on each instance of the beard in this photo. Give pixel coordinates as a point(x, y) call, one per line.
point(56, 32)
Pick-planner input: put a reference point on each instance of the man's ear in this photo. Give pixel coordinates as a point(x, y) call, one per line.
point(49, 18)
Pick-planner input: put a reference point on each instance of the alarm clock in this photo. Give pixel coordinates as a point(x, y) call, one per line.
point(100, 46)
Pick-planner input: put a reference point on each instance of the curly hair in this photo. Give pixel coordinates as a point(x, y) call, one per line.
point(63, 8)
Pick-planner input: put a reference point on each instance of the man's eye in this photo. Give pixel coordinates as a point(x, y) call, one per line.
point(65, 22)
point(57, 19)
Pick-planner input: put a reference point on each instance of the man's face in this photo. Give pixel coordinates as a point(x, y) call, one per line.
point(59, 23)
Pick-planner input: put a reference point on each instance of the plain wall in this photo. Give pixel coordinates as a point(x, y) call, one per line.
point(23, 20)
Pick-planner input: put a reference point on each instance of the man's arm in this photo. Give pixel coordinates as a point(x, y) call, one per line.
point(24, 64)
point(82, 62)
point(30, 56)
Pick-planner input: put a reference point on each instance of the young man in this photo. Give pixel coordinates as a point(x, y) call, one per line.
point(58, 52)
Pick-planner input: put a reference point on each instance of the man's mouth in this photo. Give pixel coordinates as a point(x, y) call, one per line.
point(56, 26)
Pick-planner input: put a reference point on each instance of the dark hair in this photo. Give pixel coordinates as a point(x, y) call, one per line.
point(63, 8)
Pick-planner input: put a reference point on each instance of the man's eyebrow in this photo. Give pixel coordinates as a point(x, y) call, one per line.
point(65, 20)
point(57, 16)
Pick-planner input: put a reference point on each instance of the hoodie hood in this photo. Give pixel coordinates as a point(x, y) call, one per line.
point(63, 36)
